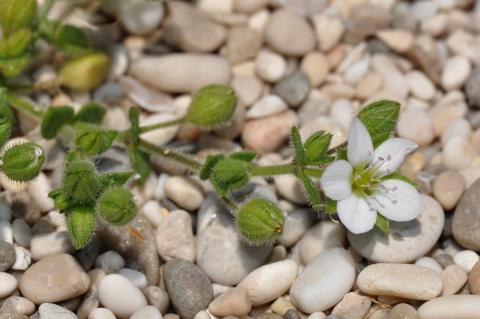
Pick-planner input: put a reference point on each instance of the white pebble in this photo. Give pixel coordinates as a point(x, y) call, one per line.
point(342, 112)
point(357, 71)
point(458, 153)
point(267, 105)
point(153, 212)
point(101, 313)
point(8, 284)
point(163, 136)
point(416, 125)
point(6, 232)
point(5, 212)
point(43, 245)
point(420, 85)
point(38, 190)
point(23, 258)
point(429, 263)
point(455, 72)
point(202, 315)
point(458, 128)
point(136, 277)
point(110, 261)
point(147, 312)
point(466, 259)
point(184, 192)
point(270, 66)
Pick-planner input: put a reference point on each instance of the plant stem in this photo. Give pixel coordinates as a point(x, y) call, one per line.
point(148, 128)
point(313, 172)
point(170, 154)
point(270, 170)
point(24, 106)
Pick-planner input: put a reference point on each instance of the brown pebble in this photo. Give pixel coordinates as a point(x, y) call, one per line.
point(444, 260)
point(403, 311)
point(474, 279)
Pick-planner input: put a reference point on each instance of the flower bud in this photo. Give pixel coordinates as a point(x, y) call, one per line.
point(117, 206)
point(229, 174)
point(81, 182)
point(86, 72)
point(60, 200)
point(16, 14)
point(212, 105)
point(260, 221)
point(22, 162)
point(93, 142)
point(80, 225)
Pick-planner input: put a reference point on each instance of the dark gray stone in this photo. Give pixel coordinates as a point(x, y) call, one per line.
point(7, 255)
point(472, 88)
point(291, 314)
point(466, 219)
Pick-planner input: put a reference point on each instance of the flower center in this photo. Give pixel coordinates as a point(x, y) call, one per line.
point(364, 181)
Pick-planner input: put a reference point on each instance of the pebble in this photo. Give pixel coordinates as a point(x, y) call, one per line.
point(282, 305)
point(297, 222)
point(289, 34)
point(429, 263)
point(352, 306)
point(53, 311)
point(455, 72)
point(322, 236)
point(8, 284)
point(289, 187)
point(444, 259)
point(184, 192)
point(181, 72)
point(474, 279)
point(187, 285)
point(398, 40)
point(233, 302)
point(416, 125)
point(453, 278)
point(118, 294)
point(368, 86)
point(466, 219)
point(329, 30)
point(248, 88)
point(101, 313)
point(293, 88)
point(141, 17)
point(403, 311)
point(270, 66)
point(5, 212)
point(38, 190)
point(270, 281)
point(472, 88)
point(420, 85)
point(158, 298)
point(269, 133)
point(7, 255)
point(466, 259)
point(316, 66)
point(163, 136)
point(16, 304)
point(324, 281)
point(6, 232)
point(400, 280)
point(136, 277)
point(23, 258)
point(458, 153)
point(458, 128)
point(153, 212)
point(406, 241)
point(451, 307)
point(243, 44)
point(147, 312)
point(110, 262)
point(44, 245)
point(268, 105)
point(46, 281)
point(175, 238)
point(191, 30)
point(448, 187)
point(22, 233)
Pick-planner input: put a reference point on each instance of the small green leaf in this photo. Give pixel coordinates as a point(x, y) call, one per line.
point(342, 153)
point(401, 177)
point(80, 225)
point(61, 201)
point(380, 119)
point(117, 206)
point(16, 14)
point(114, 179)
point(23, 162)
point(81, 183)
point(382, 223)
point(246, 156)
point(208, 166)
point(140, 162)
point(313, 193)
point(260, 221)
point(92, 113)
point(85, 72)
point(54, 119)
point(229, 174)
point(316, 147)
point(16, 44)
point(5, 130)
point(330, 206)
point(297, 146)
point(71, 40)
point(212, 105)
point(11, 67)
point(95, 141)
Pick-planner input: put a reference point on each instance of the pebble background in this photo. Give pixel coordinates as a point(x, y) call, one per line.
point(311, 63)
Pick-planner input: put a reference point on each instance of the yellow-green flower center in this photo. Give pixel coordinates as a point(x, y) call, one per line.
point(364, 181)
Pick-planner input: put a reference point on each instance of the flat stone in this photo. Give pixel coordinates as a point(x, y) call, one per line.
point(451, 307)
point(466, 219)
point(158, 298)
point(268, 105)
point(270, 66)
point(141, 17)
point(297, 222)
point(53, 311)
point(400, 280)
point(189, 288)
point(54, 278)
point(147, 312)
point(474, 279)
point(44, 245)
point(329, 30)
point(184, 192)
point(403, 311)
point(175, 238)
point(406, 241)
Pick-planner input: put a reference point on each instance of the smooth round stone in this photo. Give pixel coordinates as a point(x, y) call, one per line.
point(158, 298)
point(453, 278)
point(417, 126)
point(466, 219)
point(458, 153)
point(455, 72)
point(474, 279)
point(296, 224)
point(243, 44)
point(270, 281)
point(6, 232)
point(147, 312)
point(451, 307)
point(448, 187)
point(187, 285)
point(54, 278)
point(466, 259)
point(420, 85)
point(403, 311)
point(319, 238)
point(324, 281)
point(50, 310)
point(289, 187)
point(316, 67)
point(397, 40)
point(248, 88)
point(400, 280)
point(118, 294)
point(137, 278)
point(38, 190)
point(289, 34)
point(461, 127)
point(181, 72)
point(317, 315)
point(141, 17)
point(175, 237)
point(23, 258)
point(406, 241)
point(101, 313)
point(17, 304)
point(267, 105)
point(293, 88)
point(7, 255)
point(5, 212)
point(22, 233)
point(429, 263)
point(352, 306)
point(329, 30)
point(184, 192)
point(110, 261)
point(163, 136)
point(233, 302)
point(249, 6)
point(270, 66)
point(8, 284)
point(44, 245)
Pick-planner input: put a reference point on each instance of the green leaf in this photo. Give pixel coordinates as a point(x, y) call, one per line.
point(229, 174)
point(297, 146)
point(316, 148)
point(71, 40)
point(246, 156)
point(140, 162)
point(54, 119)
point(342, 153)
point(330, 206)
point(134, 116)
point(114, 179)
point(60, 199)
point(16, 14)
point(16, 44)
point(5, 130)
point(260, 221)
point(401, 177)
point(95, 141)
point(117, 206)
point(92, 113)
point(11, 67)
point(208, 166)
point(380, 119)
point(5, 109)
point(313, 193)
point(80, 225)
point(212, 105)
point(23, 162)
point(81, 183)
point(85, 72)
point(382, 223)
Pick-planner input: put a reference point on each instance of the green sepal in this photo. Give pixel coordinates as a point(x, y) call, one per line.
point(208, 166)
point(246, 156)
point(140, 162)
point(260, 221)
point(316, 148)
point(114, 179)
point(71, 40)
point(382, 223)
point(313, 193)
point(81, 182)
point(60, 200)
point(11, 67)
point(92, 113)
point(15, 44)
point(23, 162)
point(54, 119)
point(297, 146)
point(5, 130)
point(229, 174)
point(117, 206)
point(380, 119)
point(95, 141)
point(401, 177)
point(16, 14)
point(80, 225)
point(330, 206)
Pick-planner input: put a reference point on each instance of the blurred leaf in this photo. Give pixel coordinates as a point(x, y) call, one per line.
point(382, 223)
point(16, 44)
point(246, 156)
point(54, 119)
point(140, 162)
point(380, 119)
point(316, 148)
point(95, 141)
point(71, 40)
point(16, 14)
point(208, 166)
point(85, 72)
point(92, 113)
point(11, 67)
point(114, 179)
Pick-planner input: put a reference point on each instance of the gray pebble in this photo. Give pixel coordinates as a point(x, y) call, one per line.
point(444, 260)
point(293, 88)
point(467, 216)
point(52, 311)
point(7, 255)
point(472, 88)
point(291, 314)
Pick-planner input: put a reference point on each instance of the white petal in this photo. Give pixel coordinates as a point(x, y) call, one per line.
point(356, 214)
point(336, 180)
point(397, 200)
point(360, 147)
point(390, 155)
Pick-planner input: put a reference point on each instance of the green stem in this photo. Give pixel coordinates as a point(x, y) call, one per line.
point(170, 154)
point(24, 106)
point(148, 128)
point(313, 172)
point(271, 170)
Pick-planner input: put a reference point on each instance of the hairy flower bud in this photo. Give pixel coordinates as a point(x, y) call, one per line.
point(80, 225)
point(16, 14)
point(117, 206)
point(23, 161)
point(81, 182)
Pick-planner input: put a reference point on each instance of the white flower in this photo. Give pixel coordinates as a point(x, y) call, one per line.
point(359, 185)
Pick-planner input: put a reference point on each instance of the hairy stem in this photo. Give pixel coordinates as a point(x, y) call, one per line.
point(170, 154)
point(148, 128)
point(270, 170)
